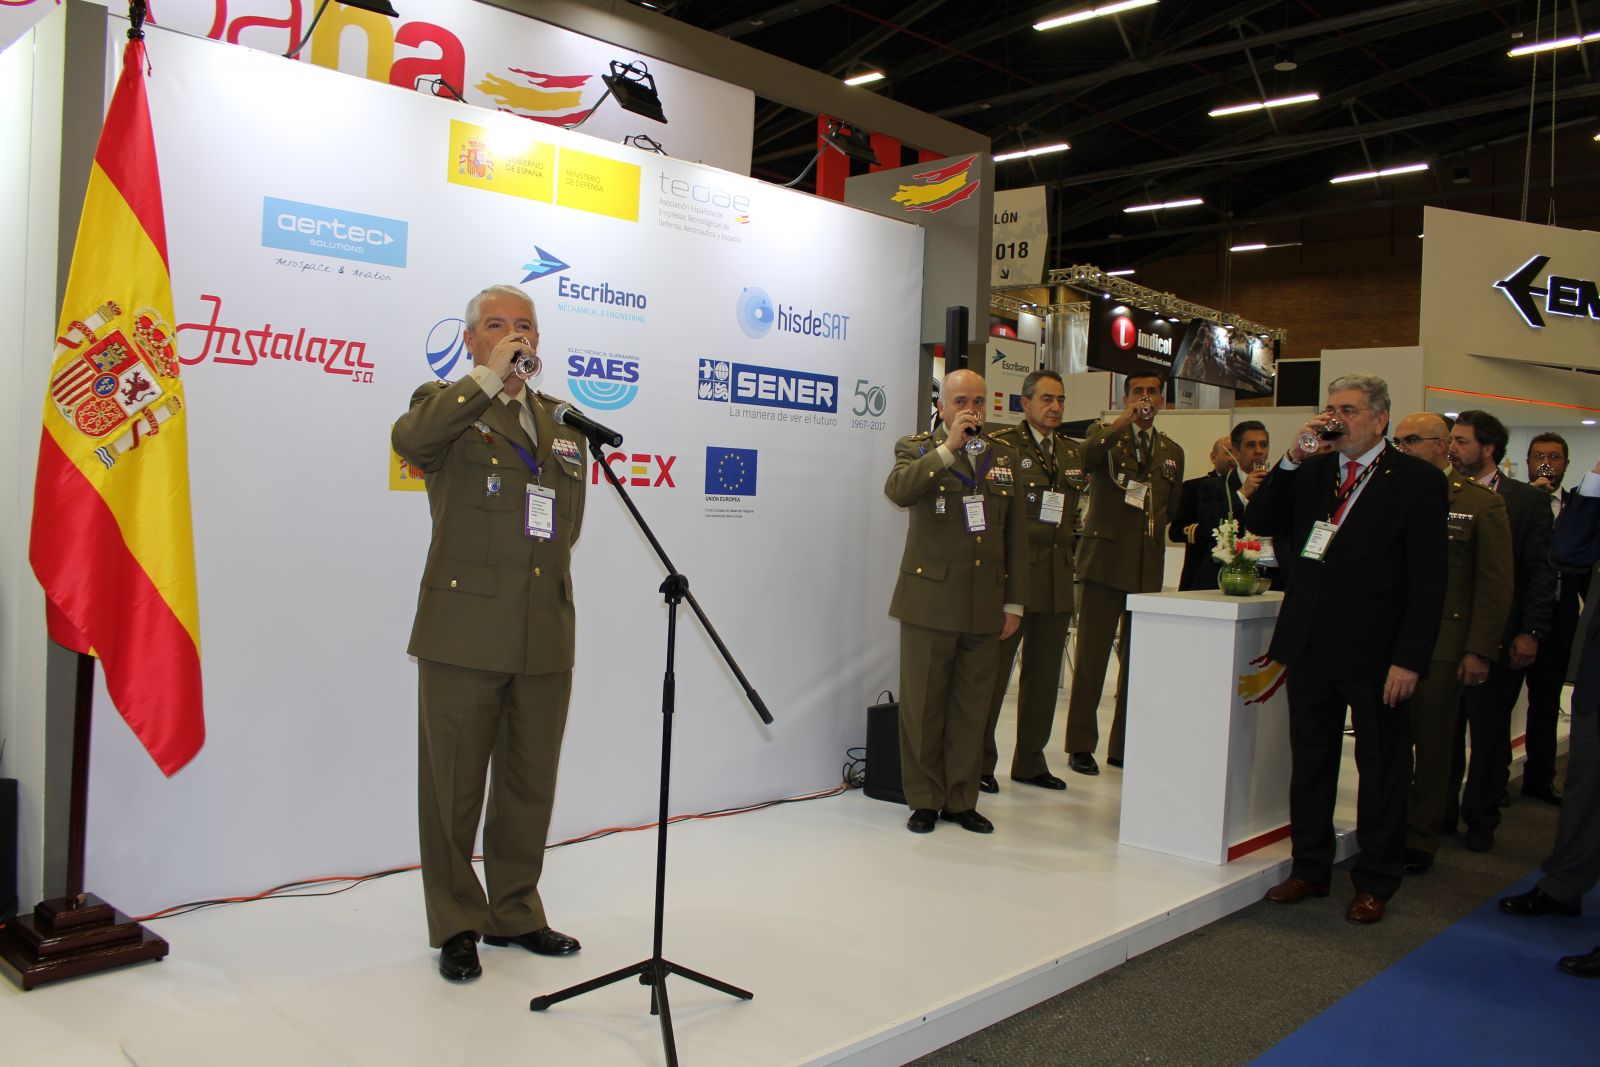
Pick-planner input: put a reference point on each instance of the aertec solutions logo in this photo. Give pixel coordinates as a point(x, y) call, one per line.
point(327, 231)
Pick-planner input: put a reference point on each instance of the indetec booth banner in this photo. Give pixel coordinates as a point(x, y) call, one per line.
point(754, 345)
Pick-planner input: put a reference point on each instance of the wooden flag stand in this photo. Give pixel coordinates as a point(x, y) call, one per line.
point(78, 933)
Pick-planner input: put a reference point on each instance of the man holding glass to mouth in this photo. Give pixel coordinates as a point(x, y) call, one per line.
point(1362, 529)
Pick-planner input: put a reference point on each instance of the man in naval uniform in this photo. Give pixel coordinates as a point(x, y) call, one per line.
point(1049, 476)
point(1135, 472)
point(494, 634)
point(957, 597)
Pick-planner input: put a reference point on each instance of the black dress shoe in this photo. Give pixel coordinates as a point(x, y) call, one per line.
point(1418, 861)
point(1480, 838)
point(458, 957)
point(1582, 966)
point(1537, 902)
point(543, 941)
point(1083, 763)
point(988, 784)
point(1114, 761)
point(969, 820)
point(922, 821)
point(1044, 780)
point(1547, 793)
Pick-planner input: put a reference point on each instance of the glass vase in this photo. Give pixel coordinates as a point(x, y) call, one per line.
point(1238, 578)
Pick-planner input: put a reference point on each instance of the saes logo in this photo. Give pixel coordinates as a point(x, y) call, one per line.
point(603, 380)
point(445, 346)
point(543, 265)
point(755, 312)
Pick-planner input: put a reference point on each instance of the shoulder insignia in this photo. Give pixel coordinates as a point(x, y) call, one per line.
point(919, 436)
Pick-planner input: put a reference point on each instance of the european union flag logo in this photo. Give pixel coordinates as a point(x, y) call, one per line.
point(730, 471)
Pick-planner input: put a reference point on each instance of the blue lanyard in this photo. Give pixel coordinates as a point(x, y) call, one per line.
point(527, 458)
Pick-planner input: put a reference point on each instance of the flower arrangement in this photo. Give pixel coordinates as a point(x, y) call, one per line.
point(1233, 548)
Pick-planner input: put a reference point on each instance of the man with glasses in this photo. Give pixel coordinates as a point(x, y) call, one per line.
point(1547, 465)
point(1362, 527)
point(1477, 601)
point(1239, 463)
point(1477, 445)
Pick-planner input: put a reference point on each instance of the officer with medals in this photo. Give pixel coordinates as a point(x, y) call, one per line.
point(956, 599)
point(1049, 477)
point(494, 632)
point(1135, 472)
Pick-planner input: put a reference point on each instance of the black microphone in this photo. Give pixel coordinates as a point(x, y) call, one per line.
point(568, 415)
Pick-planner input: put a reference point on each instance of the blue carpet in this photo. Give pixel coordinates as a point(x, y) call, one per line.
point(1485, 991)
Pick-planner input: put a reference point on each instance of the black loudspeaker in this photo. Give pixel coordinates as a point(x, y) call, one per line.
point(8, 843)
point(955, 338)
point(1298, 381)
point(883, 751)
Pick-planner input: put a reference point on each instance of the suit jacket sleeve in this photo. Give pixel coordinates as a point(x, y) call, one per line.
point(1426, 548)
point(1212, 510)
point(1577, 533)
point(1097, 444)
point(1271, 507)
point(1539, 599)
point(438, 415)
point(1492, 581)
point(1186, 513)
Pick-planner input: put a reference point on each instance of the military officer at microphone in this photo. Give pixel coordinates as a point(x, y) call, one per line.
point(494, 632)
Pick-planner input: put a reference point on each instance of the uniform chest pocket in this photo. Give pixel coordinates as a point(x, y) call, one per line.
point(493, 486)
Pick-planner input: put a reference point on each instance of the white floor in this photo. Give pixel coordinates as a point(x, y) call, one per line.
point(863, 944)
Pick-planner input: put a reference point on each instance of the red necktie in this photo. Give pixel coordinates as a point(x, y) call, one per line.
point(1351, 472)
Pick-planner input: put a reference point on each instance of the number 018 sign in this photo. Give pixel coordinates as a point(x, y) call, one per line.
point(1021, 231)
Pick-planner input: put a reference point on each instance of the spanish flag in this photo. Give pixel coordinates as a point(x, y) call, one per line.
point(112, 542)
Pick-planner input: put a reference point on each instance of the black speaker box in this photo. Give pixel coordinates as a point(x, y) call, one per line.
point(883, 753)
point(8, 844)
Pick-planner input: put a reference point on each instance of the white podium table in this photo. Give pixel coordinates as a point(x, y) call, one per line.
point(1207, 743)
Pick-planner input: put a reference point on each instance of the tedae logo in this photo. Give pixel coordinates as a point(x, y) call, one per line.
point(326, 231)
point(643, 470)
point(1571, 297)
point(603, 380)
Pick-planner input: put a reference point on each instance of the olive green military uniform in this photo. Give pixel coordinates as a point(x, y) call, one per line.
point(1047, 598)
point(1477, 603)
point(1122, 551)
point(952, 591)
point(494, 641)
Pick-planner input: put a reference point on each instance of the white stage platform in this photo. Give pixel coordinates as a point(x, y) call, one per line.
point(863, 944)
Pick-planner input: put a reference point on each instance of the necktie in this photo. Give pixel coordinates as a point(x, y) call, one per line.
point(1144, 449)
point(1352, 471)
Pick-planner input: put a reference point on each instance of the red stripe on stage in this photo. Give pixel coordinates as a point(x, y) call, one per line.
point(99, 588)
point(127, 149)
point(1271, 837)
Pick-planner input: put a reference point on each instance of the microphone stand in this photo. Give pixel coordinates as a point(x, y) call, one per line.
point(653, 972)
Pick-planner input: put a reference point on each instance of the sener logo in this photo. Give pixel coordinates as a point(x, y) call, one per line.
point(1123, 332)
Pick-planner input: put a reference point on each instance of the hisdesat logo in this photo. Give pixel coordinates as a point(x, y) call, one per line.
point(758, 314)
point(327, 231)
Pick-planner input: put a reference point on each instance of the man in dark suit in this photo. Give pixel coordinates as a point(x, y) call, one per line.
point(1547, 465)
point(494, 634)
point(1573, 867)
point(1366, 528)
point(1206, 501)
point(1477, 445)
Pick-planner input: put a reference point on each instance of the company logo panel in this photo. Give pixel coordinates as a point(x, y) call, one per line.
point(446, 349)
point(730, 471)
point(697, 205)
point(604, 381)
point(269, 343)
point(337, 232)
point(757, 314)
point(479, 160)
point(598, 185)
point(723, 381)
point(581, 295)
point(637, 470)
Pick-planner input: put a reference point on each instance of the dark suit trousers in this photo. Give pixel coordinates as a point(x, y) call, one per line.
point(1383, 761)
point(1486, 710)
point(946, 679)
point(1545, 678)
point(1043, 640)
point(1435, 709)
point(1573, 867)
point(1101, 609)
point(469, 719)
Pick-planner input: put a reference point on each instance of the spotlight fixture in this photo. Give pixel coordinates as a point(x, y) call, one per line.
point(1285, 62)
point(1387, 172)
point(866, 78)
point(1551, 46)
point(634, 88)
point(853, 141)
point(1042, 150)
point(1192, 201)
point(1258, 105)
point(644, 142)
point(1085, 14)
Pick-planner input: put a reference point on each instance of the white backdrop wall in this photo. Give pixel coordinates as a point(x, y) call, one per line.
point(309, 560)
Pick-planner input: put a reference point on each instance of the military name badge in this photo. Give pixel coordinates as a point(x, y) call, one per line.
point(972, 506)
point(567, 450)
point(939, 504)
point(1051, 508)
point(1135, 494)
point(541, 513)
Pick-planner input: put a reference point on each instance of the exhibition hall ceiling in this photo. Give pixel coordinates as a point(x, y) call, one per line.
point(1396, 85)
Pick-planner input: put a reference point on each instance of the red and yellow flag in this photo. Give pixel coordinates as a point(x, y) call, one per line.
point(112, 540)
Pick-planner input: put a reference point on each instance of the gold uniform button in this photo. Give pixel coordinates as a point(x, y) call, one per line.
point(919, 570)
point(930, 474)
point(537, 572)
point(494, 461)
point(461, 400)
point(977, 563)
point(452, 583)
point(980, 539)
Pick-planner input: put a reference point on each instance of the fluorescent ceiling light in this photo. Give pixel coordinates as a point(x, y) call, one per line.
point(1042, 150)
point(1409, 168)
point(1551, 46)
point(1123, 273)
point(1257, 105)
point(1091, 13)
point(1257, 247)
point(1587, 422)
point(866, 79)
point(1134, 208)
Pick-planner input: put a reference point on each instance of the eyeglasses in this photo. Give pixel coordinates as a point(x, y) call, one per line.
point(1347, 410)
point(1412, 439)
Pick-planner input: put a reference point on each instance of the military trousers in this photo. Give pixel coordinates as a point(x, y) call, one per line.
point(1434, 709)
point(1101, 609)
point(471, 722)
point(1042, 639)
point(946, 679)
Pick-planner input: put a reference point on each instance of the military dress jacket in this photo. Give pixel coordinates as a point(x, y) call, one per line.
point(952, 578)
point(1122, 546)
point(1059, 468)
point(1477, 591)
point(493, 597)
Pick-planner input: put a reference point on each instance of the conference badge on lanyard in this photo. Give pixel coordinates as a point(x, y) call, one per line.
point(541, 512)
point(1052, 506)
point(1321, 537)
point(972, 504)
